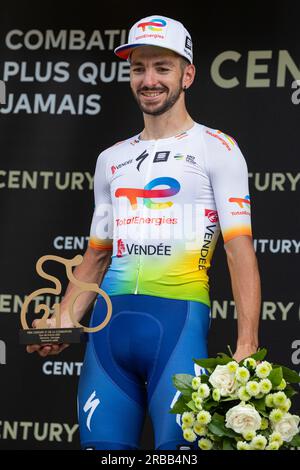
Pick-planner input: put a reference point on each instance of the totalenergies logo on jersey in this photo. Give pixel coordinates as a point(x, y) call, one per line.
point(240, 201)
point(149, 193)
point(228, 137)
point(223, 138)
point(156, 24)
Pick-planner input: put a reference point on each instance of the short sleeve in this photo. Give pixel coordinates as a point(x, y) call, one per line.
point(228, 174)
point(101, 231)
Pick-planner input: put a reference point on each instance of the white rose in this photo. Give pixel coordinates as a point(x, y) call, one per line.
point(243, 418)
point(223, 380)
point(287, 426)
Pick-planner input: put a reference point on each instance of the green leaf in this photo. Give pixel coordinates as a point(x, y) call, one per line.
point(221, 354)
point(180, 406)
point(204, 378)
point(276, 376)
point(212, 363)
point(217, 426)
point(228, 444)
point(290, 375)
point(192, 406)
point(210, 404)
point(295, 442)
point(259, 404)
point(260, 354)
point(290, 391)
point(183, 383)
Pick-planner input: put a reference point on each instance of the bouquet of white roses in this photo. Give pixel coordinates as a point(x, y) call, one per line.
point(238, 406)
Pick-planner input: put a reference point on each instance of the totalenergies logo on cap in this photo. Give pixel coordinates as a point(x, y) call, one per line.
point(156, 24)
point(149, 193)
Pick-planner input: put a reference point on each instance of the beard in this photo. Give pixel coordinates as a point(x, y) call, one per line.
point(164, 107)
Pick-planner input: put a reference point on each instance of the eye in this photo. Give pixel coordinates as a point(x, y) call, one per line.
point(163, 69)
point(137, 69)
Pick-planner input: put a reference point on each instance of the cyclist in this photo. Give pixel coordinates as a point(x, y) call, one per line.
point(161, 199)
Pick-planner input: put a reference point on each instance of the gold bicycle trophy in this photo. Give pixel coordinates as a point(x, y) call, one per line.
point(57, 335)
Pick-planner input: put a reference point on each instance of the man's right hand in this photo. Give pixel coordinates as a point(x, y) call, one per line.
point(49, 349)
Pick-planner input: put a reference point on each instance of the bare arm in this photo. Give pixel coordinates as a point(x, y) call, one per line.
point(245, 282)
point(92, 269)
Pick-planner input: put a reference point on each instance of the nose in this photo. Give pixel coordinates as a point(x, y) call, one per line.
point(149, 78)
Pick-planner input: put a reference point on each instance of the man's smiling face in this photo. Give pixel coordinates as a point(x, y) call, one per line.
point(156, 78)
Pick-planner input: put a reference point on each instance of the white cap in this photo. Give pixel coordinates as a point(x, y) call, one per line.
point(157, 30)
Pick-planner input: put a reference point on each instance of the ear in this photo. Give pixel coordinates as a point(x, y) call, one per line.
point(188, 76)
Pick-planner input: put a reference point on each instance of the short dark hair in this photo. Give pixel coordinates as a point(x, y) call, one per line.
point(183, 63)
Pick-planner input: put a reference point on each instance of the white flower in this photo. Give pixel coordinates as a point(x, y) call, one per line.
point(286, 405)
point(204, 417)
point(242, 418)
point(287, 426)
point(282, 385)
point(198, 403)
point(242, 375)
point(263, 369)
point(276, 437)
point(259, 442)
point(232, 366)
point(279, 399)
point(242, 445)
point(196, 383)
point(276, 415)
point(223, 380)
point(216, 394)
point(205, 444)
point(204, 391)
point(200, 429)
point(188, 418)
point(265, 386)
point(264, 424)
point(185, 426)
point(269, 400)
point(189, 435)
point(273, 446)
point(250, 362)
point(249, 435)
point(253, 388)
point(243, 394)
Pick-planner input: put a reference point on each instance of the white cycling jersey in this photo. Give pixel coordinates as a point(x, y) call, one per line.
point(160, 205)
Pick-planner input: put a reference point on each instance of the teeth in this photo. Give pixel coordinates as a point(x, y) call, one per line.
point(152, 93)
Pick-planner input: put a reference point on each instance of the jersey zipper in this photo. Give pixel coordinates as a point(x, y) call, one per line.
point(141, 233)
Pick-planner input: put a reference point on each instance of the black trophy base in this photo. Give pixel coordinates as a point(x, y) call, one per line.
point(51, 336)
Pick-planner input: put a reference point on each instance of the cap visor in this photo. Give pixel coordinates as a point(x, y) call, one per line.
point(124, 51)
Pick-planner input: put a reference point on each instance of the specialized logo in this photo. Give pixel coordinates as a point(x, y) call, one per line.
point(212, 215)
point(149, 193)
point(141, 158)
point(156, 24)
point(241, 202)
point(91, 406)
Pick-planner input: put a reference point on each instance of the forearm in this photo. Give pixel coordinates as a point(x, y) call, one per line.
point(92, 270)
point(245, 281)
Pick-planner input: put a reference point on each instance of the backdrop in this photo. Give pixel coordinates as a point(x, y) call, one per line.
point(67, 99)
